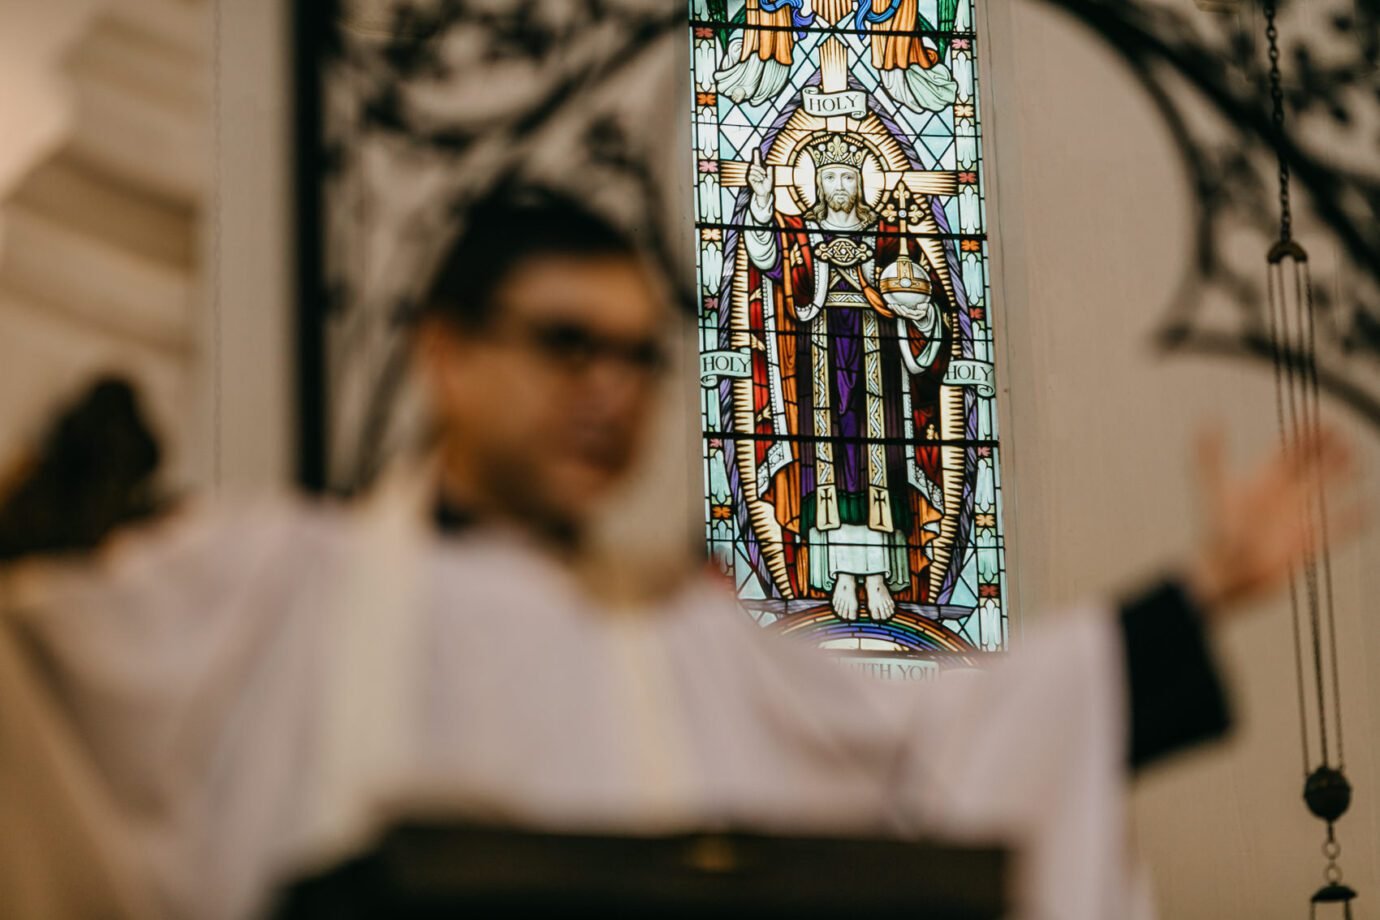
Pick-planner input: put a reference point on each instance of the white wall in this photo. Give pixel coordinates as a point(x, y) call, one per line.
point(249, 400)
point(1091, 219)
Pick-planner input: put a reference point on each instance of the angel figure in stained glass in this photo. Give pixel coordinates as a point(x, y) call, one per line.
point(758, 60)
point(908, 51)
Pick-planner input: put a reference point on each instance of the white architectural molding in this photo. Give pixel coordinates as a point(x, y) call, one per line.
point(102, 234)
point(141, 100)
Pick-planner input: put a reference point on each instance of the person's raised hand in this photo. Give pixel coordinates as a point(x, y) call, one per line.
point(758, 179)
point(1260, 526)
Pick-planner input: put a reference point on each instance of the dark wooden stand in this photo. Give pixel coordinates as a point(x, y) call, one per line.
point(433, 871)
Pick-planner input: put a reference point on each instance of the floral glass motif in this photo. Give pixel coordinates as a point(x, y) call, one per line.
point(846, 353)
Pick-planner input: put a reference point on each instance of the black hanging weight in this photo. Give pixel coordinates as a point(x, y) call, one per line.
point(1327, 792)
point(1335, 893)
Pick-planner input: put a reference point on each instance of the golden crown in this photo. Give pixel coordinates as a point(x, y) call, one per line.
point(835, 151)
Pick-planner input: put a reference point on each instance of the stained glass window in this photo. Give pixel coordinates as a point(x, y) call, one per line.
point(846, 353)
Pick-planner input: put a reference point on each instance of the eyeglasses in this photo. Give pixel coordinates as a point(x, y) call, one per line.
point(573, 349)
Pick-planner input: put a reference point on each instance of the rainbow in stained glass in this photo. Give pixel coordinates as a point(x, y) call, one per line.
point(846, 354)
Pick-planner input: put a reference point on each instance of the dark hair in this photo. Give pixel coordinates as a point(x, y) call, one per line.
point(92, 472)
point(505, 229)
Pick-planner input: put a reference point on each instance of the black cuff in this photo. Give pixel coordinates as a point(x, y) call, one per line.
point(1176, 696)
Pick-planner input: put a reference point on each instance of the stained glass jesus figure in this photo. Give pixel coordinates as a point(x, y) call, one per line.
point(847, 384)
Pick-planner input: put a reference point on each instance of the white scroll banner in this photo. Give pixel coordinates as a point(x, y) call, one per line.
point(850, 102)
point(968, 373)
point(716, 364)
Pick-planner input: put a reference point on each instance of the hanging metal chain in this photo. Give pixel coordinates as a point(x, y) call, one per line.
point(1294, 351)
point(1286, 388)
point(1324, 543)
point(1275, 328)
point(1291, 325)
point(1303, 414)
point(1286, 217)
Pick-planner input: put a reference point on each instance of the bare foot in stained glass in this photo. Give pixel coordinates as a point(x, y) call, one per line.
point(880, 606)
point(846, 596)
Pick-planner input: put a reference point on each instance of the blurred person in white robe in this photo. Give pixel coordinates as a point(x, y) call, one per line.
point(212, 701)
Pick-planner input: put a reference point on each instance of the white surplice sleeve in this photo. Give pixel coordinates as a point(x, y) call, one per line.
point(163, 679)
point(1030, 752)
point(1035, 751)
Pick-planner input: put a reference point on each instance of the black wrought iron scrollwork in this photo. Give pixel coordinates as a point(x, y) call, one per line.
point(468, 95)
point(564, 52)
point(1186, 60)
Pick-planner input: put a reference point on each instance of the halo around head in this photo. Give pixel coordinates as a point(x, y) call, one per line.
point(830, 148)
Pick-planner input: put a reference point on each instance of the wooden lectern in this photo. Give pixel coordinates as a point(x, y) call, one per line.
point(433, 871)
